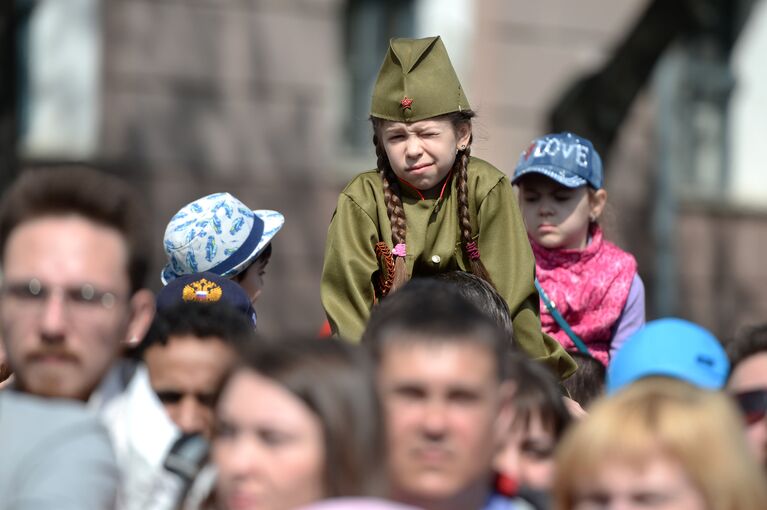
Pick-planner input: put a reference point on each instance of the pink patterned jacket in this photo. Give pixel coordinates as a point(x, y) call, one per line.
point(589, 287)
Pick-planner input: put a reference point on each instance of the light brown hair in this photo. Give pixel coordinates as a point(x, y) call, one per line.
point(699, 429)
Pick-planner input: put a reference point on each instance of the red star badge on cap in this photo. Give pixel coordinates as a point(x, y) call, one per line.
point(406, 102)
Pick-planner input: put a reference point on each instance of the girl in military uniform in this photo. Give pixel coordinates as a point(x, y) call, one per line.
point(429, 207)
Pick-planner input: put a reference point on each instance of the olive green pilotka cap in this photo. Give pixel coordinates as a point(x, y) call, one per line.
point(416, 82)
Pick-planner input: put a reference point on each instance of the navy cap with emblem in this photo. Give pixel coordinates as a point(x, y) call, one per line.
point(205, 287)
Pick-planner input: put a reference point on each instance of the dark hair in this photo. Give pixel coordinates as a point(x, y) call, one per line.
point(537, 392)
point(483, 296)
point(85, 192)
point(751, 341)
point(396, 212)
point(219, 320)
point(335, 380)
point(427, 310)
point(265, 255)
point(588, 382)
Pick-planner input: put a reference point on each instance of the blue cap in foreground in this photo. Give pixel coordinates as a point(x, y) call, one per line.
point(671, 348)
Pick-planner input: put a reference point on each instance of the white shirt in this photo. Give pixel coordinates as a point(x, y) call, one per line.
point(142, 434)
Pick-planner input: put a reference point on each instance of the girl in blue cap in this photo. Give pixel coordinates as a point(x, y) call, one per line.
point(592, 298)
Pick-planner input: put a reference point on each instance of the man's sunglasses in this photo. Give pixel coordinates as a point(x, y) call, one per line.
point(170, 397)
point(753, 404)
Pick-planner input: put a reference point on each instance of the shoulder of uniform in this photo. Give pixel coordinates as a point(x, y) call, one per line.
point(485, 176)
point(364, 182)
point(364, 190)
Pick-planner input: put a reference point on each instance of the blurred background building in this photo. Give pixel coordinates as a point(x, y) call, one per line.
point(268, 99)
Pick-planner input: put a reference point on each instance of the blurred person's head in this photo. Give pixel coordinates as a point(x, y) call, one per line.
point(219, 234)
point(588, 382)
point(659, 443)
point(673, 348)
point(188, 351)
point(74, 260)
point(441, 371)
point(540, 418)
point(357, 504)
point(482, 295)
point(748, 384)
point(298, 421)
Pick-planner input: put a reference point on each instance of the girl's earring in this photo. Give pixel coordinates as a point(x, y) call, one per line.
point(461, 148)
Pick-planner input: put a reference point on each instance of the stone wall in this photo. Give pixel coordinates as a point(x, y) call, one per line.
point(247, 96)
point(528, 53)
point(203, 96)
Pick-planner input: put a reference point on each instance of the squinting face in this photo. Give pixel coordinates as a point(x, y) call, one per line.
point(443, 408)
point(268, 447)
point(423, 152)
point(749, 375)
point(186, 374)
point(556, 217)
point(65, 305)
point(528, 454)
point(661, 484)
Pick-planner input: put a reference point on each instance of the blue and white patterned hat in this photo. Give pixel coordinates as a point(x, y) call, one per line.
point(566, 158)
point(216, 233)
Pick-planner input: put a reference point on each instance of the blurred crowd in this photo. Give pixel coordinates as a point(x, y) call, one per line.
point(485, 346)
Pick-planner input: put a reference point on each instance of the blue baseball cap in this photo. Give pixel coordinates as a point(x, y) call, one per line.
point(566, 158)
point(205, 287)
point(672, 348)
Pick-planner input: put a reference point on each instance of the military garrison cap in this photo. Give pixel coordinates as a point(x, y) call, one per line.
point(416, 82)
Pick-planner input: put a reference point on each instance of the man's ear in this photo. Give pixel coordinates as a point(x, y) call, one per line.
point(5, 369)
point(142, 312)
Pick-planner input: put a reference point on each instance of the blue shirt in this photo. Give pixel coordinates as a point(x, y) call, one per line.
point(498, 501)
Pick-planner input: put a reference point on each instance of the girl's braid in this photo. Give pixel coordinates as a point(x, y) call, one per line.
point(394, 209)
point(464, 221)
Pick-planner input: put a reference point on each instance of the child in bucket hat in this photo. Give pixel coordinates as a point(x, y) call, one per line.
point(592, 298)
point(220, 234)
point(429, 206)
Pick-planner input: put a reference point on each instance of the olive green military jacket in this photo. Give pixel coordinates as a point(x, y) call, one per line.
point(434, 246)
